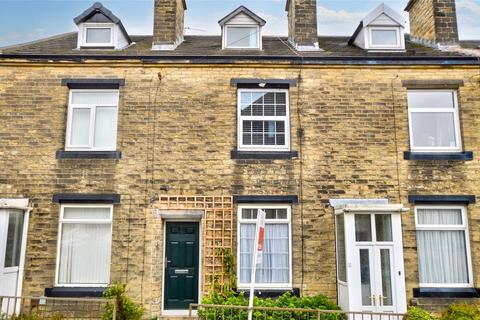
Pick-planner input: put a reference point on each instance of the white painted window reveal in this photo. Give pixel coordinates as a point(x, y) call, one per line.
point(263, 120)
point(444, 257)
point(434, 121)
point(92, 120)
point(84, 245)
point(276, 268)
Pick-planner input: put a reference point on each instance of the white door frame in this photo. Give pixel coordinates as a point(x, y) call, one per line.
point(22, 205)
point(353, 284)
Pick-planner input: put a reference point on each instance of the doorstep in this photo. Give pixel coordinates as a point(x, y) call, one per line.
point(178, 314)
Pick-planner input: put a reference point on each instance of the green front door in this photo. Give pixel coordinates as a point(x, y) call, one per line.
point(181, 265)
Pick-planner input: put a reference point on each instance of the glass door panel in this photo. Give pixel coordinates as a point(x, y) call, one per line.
point(365, 277)
point(386, 296)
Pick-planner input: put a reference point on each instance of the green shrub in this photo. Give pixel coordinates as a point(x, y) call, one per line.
point(462, 311)
point(285, 301)
point(416, 313)
point(126, 308)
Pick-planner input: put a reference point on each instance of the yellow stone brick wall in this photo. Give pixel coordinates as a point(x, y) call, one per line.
point(422, 21)
point(176, 135)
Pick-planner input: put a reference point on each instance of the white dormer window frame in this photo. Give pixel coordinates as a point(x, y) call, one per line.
point(258, 31)
point(399, 43)
point(88, 26)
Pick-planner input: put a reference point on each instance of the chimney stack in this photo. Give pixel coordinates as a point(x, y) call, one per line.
point(433, 22)
point(302, 24)
point(168, 24)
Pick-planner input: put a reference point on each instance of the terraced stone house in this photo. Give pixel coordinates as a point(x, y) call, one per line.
point(133, 159)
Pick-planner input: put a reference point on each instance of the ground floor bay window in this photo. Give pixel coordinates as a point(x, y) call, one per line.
point(275, 271)
point(443, 247)
point(84, 246)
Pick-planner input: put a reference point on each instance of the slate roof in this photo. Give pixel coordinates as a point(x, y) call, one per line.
point(211, 47)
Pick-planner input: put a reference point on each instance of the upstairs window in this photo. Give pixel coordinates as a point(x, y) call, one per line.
point(242, 37)
point(434, 121)
point(92, 120)
point(385, 38)
point(263, 120)
point(98, 36)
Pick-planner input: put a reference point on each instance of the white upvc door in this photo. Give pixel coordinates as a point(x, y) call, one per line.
point(377, 283)
point(12, 247)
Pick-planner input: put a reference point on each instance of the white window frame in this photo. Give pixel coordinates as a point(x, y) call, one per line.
point(93, 113)
point(82, 221)
point(87, 26)
point(258, 31)
point(436, 227)
point(240, 118)
point(456, 119)
point(288, 220)
point(398, 44)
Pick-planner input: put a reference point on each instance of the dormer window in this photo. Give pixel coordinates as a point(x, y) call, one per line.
point(242, 37)
point(384, 37)
point(242, 29)
point(99, 28)
point(383, 29)
point(98, 35)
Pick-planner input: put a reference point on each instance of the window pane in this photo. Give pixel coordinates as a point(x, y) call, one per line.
point(105, 127)
point(14, 239)
point(433, 129)
point(386, 268)
point(363, 227)
point(384, 37)
point(442, 257)
point(95, 98)
point(383, 227)
point(85, 254)
point(433, 99)
point(341, 259)
point(365, 277)
point(80, 131)
point(439, 216)
point(276, 257)
point(99, 35)
point(83, 213)
point(242, 37)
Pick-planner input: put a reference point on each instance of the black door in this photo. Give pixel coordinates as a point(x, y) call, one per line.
point(181, 265)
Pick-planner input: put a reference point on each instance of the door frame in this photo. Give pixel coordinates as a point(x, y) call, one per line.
point(397, 260)
point(22, 205)
point(180, 220)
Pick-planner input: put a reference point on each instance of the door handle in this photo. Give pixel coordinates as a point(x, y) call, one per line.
point(381, 298)
point(373, 300)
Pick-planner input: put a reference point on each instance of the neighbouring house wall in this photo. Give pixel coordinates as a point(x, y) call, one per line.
point(350, 125)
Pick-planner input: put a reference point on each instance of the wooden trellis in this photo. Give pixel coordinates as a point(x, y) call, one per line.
point(217, 231)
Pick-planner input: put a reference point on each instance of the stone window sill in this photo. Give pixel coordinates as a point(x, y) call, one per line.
point(264, 155)
point(62, 154)
point(458, 156)
point(446, 293)
point(75, 292)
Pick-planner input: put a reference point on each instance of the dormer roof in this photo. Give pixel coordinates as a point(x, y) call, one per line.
point(97, 13)
point(382, 15)
point(242, 10)
point(383, 9)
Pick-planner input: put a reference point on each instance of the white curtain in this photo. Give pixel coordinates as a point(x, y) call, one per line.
point(442, 254)
point(85, 253)
point(275, 267)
